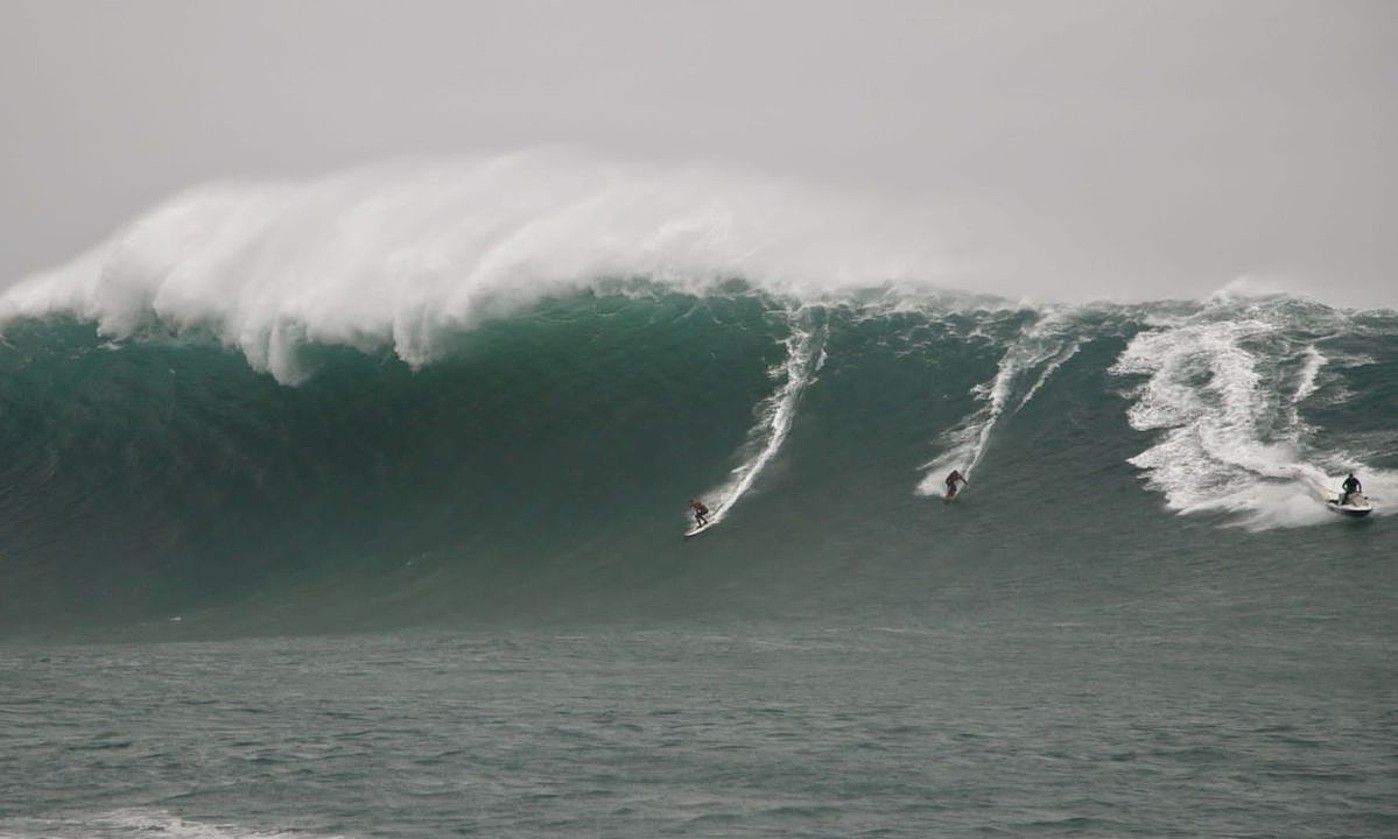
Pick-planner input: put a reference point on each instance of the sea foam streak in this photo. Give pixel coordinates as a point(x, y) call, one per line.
point(805, 355)
point(397, 255)
point(1043, 345)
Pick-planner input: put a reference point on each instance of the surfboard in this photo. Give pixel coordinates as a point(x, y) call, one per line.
point(695, 530)
point(1356, 509)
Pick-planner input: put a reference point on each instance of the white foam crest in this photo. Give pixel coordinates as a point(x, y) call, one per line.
point(1231, 438)
point(1043, 344)
point(394, 255)
point(805, 356)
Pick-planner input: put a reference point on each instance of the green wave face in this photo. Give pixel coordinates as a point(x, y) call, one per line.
point(539, 469)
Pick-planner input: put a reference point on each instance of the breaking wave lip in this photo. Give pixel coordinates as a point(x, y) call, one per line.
point(397, 255)
point(400, 255)
point(1231, 439)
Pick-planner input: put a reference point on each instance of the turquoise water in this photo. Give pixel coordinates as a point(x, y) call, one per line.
point(455, 599)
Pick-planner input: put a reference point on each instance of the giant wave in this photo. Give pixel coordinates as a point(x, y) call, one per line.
point(461, 393)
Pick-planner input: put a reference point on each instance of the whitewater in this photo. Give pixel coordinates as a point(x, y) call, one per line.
point(400, 254)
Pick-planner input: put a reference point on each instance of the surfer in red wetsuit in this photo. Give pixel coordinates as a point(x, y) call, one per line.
point(701, 513)
point(951, 483)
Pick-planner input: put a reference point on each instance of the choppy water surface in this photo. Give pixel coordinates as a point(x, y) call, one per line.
point(1124, 720)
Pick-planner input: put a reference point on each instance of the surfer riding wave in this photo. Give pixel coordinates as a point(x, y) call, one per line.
point(701, 512)
point(951, 483)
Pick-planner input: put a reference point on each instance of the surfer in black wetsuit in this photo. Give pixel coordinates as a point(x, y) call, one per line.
point(1351, 487)
point(951, 483)
point(701, 513)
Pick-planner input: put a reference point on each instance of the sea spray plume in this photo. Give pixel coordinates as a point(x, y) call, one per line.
point(805, 355)
point(394, 256)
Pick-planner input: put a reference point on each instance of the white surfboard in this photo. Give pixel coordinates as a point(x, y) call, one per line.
point(696, 529)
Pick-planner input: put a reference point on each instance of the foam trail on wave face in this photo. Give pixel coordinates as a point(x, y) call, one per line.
point(394, 256)
point(1043, 344)
point(1057, 361)
point(1310, 371)
point(1232, 437)
point(805, 355)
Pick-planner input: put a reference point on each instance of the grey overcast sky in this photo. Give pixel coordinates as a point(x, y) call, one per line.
point(1164, 145)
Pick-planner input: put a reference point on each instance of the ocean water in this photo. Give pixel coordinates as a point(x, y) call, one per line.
point(349, 510)
point(1124, 719)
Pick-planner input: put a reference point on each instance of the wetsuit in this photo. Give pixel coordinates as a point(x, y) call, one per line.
point(1350, 486)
